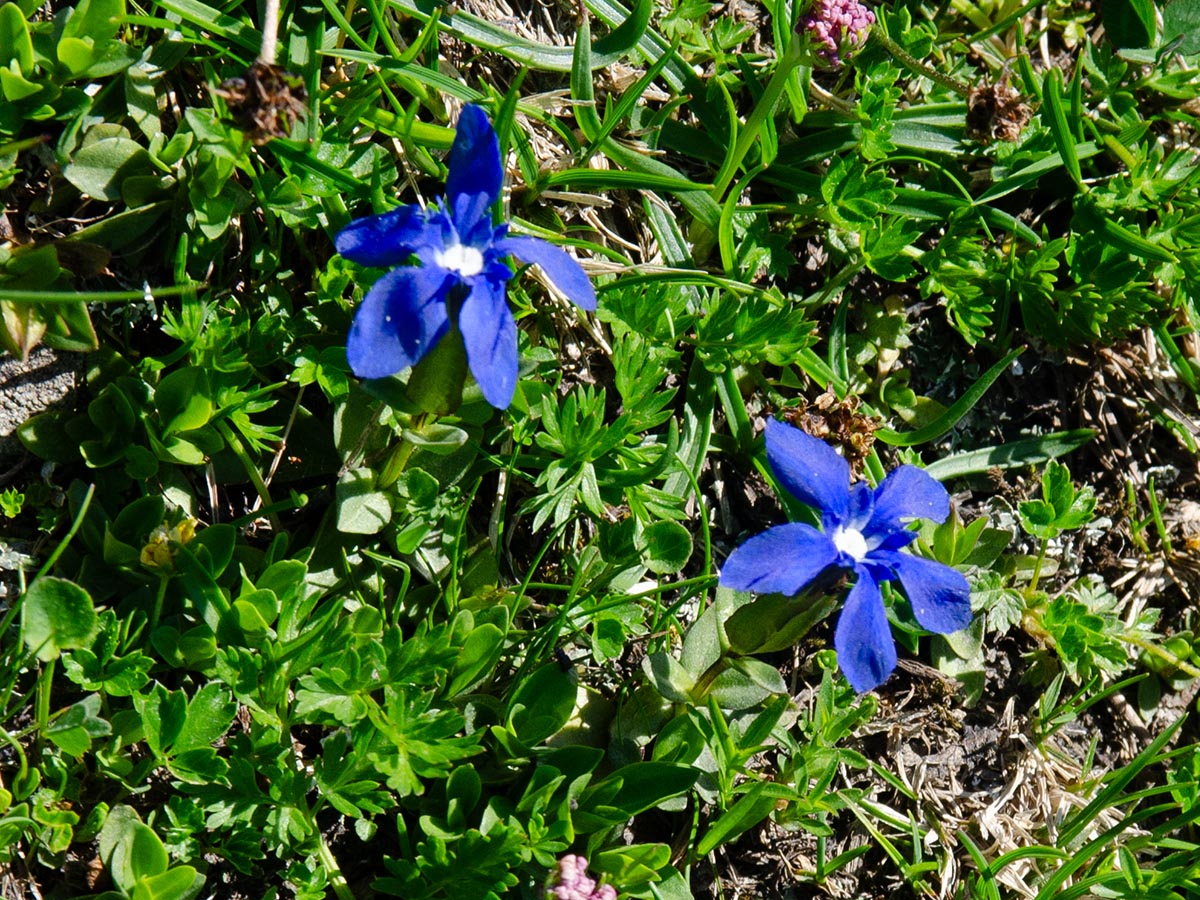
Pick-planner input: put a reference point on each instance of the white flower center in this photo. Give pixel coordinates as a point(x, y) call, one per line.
point(460, 258)
point(851, 541)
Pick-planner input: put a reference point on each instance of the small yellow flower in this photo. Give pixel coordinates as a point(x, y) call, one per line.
point(163, 543)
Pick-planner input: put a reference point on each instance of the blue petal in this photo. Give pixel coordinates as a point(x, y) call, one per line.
point(474, 159)
point(907, 493)
point(862, 503)
point(490, 336)
point(384, 240)
point(568, 276)
point(865, 649)
point(940, 595)
point(781, 560)
point(472, 217)
point(402, 316)
point(811, 471)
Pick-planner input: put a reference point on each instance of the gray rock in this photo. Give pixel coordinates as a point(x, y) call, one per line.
point(28, 388)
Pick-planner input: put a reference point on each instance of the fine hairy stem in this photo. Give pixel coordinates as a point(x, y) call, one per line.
point(919, 67)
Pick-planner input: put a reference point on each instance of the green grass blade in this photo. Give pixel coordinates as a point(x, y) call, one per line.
point(1054, 116)
point(1028, 452)
point(1017, 180)
point(544, 57)
point(582, 93)
point(950, 417)
point(209, 19)
point(1074, 825)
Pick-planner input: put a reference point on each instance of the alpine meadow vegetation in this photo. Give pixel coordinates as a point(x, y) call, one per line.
point(599, 450)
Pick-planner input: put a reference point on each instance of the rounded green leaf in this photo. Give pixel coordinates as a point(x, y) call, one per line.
point(477, 658)
point(99, 168)
point(57, 615)
point(184, 400)
point(665, 547)
point(542, 704)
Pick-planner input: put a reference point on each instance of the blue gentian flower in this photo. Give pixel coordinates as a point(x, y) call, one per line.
point(864, 530)
point(462, 273)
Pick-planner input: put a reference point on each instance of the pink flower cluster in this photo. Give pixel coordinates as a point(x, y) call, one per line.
point(836, 25)
point(573, 882)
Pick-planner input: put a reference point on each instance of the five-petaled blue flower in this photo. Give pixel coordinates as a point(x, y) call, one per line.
point(864, 529)
point(461, 277)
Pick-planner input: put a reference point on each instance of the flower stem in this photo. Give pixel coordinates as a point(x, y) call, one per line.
point(398, 460)
point(269, 48)
point(159, 596)
point(758, 117)
point(1037, 568)
point(1162, 653)
point(336, 879)
point(260, 486)
point(953, 84)
point(705, 682)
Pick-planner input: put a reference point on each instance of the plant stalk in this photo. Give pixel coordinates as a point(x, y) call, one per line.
point(758, 116)
point(269, 48)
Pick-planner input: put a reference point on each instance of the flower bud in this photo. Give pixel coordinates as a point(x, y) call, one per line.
point(836, 27)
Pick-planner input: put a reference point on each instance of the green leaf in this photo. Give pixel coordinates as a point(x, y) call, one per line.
point(541, 705)
point(733, 689)
point(437, 437)
point(481, 33)
point(751, 809)
point(184, 400)
point(360, 508)
point(1054, 115)
point(856, 195)
point(99, 168)
point(638, 787)
point(1061, 508)
point(141, 855)
point(95, 20)
point(681, 741)
point(436, 382)
point(199, 766)
point(669, 677)
point(75, 54)
point(45, 436)
point(665, 547)
point(478, 656)
point(214, 547)
point(209, 19)
point(15, 43)
point(1129, 23)
point(163, 713)
point(210, 712)
point(950, 417)
point(15, 87)
point(73, 730)
point(632, 864)
point(179, 883)
point(56, 615)
point(763, 674)
point(774, 622)
point(1182, 19)
point(135, 522)
point(1015, 454)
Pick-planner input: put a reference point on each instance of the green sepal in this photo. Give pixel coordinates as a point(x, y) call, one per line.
point(436, 382)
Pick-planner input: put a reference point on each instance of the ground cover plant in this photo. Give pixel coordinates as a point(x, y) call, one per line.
point(676, 450)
